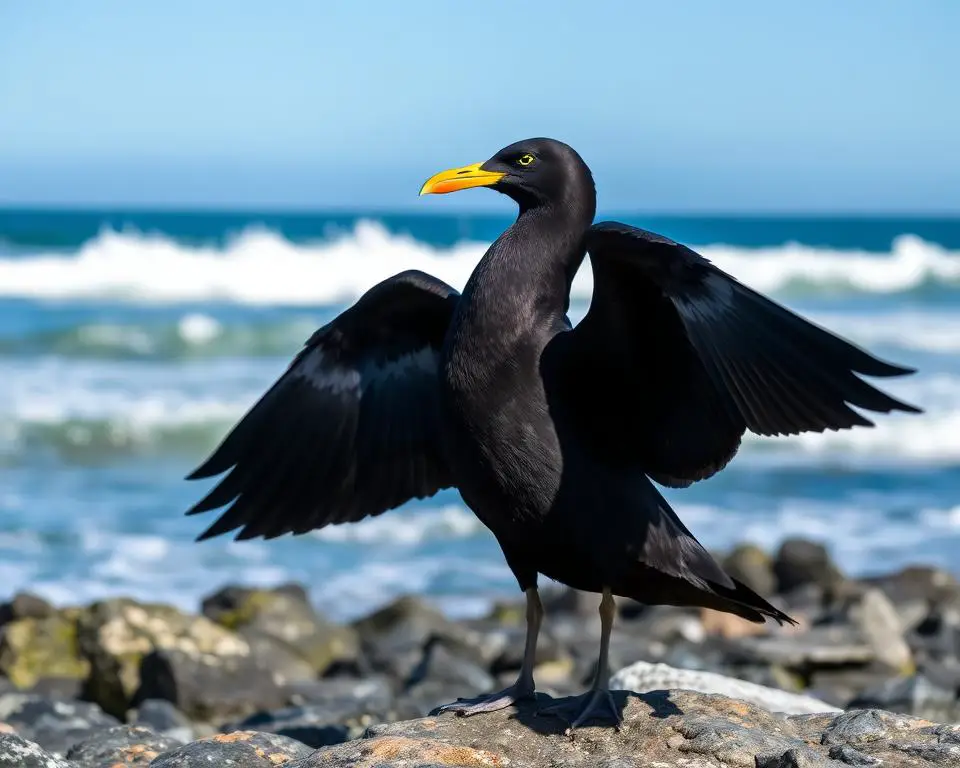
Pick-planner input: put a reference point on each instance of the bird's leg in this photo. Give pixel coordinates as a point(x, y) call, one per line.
point(597, 703)
point(524, 688)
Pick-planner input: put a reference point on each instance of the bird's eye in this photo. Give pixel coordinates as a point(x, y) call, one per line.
point(525, 160)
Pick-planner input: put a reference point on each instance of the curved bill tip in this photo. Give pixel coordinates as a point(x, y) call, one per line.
point(456, 179)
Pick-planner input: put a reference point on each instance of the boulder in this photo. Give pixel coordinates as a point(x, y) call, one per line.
point(16, 752)
point(393, 638)
point(661, 729)
point(117, 635)
point(36, 647)
point(799, 562)
point(123, 746)
point(240, 749)
point(918, 583)
point(162, 717)
point(55, 725)
point(878, 622)
point(309, 724)
point(754, 567)
point(208, 687)
point(24, 605)
point(917, 695)
point(285, 614)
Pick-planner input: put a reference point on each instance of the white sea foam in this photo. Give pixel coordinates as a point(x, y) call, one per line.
point(113, 404)
point(262, 267)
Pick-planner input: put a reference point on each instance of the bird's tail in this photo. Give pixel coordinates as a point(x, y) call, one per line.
point(654, 587)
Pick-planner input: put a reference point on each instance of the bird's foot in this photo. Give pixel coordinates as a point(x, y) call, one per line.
point(490, 702)
point(595, 704)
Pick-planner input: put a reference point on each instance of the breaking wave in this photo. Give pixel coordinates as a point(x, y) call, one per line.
point(261, 267)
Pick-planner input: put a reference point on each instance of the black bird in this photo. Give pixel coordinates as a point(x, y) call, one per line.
point(552, 433)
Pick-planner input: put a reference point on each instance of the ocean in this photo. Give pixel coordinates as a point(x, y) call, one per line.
point(131, 341)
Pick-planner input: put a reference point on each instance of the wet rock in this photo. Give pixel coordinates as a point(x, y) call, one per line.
point(243, 749)
point(123, 746)
point(917, 695)
point(754, 567)
point(643, 676)
point(117, 635)
point(34, 647)
point(17, 752)
point(209, 687)
point(799, 562)
point(286, 614)
point(162, 717)
point(53, 724)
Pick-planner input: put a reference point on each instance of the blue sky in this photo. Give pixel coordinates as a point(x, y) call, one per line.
point(696, 105)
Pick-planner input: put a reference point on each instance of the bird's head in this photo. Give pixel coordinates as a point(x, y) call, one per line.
point(534, 172)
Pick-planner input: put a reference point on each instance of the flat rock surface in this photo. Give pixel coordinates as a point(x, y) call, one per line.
point(124, 746)
point(662, 729)
point(242, 749)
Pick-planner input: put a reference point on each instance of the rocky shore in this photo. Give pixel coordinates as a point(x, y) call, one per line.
point(261, 678)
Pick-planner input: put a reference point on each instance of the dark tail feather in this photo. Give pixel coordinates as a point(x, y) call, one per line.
point(655, 587)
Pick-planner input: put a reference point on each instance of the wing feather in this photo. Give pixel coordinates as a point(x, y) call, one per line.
point(697, 358)
point(351, 428)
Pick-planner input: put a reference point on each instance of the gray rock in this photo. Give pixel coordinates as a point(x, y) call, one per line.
point(24, 605)
point(749, 564)
point(393, 638)
point(285, 614)
point(661, 729)
point(117, 635)
point(17, 752)
point(879, 624)
point(347, 700)
point(209, 688)
point(844, 753)
point(799, 562)
point(828, 646)
point(120, 747)
point(55, 725)
point(916, 695)
point(922, 583)
point(310, 724)
point(162, 717)
point(644, 676)
point(797, 757)
point(242, 749)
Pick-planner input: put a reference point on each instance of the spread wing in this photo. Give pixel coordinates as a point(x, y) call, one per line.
point(676, 359)
point(350, 429)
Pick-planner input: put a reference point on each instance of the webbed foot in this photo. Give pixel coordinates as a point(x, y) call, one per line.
point(489, 702)
point(595, 704)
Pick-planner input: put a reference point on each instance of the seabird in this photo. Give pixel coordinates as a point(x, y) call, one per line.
point(554, 434)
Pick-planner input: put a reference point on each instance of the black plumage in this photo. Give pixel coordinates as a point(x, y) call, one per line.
point(552, 433)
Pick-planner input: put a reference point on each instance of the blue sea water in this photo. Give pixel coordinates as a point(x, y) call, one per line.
point(131, 341)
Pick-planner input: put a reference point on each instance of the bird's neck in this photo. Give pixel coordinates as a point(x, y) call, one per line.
point(525, 276)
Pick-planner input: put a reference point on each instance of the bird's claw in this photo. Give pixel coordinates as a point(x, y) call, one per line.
point(595, 704)
point(489, 702)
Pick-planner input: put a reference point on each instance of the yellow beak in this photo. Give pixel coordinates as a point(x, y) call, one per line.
point(460, 178)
